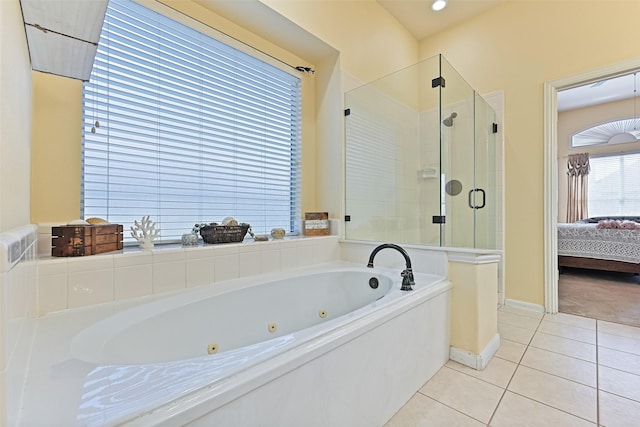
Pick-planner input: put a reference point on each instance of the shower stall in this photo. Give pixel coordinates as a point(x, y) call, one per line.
point(421, 160)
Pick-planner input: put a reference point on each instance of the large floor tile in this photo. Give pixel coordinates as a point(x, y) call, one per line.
point(422, 411)
point(560, 365)
point(515, 333)
point(510, 350)
point(521, 311)
point(551, 366)
point(497, 372)
point(568, 331)
point(566, 346)
point(518, 411)
point(620, 343)
point(518, 320)
point(617, 411)
point(619, 382)
point(573, 320)
point(619, 360)
point(618, 329)
point(569, 396)
point(467, 394)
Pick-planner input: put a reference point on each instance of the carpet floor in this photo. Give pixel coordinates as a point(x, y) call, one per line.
point(602, 295)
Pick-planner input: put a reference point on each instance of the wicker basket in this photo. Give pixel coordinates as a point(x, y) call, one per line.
point(224, 233)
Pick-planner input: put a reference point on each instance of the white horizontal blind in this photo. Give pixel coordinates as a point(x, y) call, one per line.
point(190, 129)
point(614, 185)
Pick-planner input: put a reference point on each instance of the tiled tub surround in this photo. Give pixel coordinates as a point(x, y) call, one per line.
point(73, 282)
point(17, 312)
point(52, 299)
point(329, 370)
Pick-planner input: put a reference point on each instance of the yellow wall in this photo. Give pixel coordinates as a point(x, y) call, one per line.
point(56, 155)
point(474, 317)
point(516, 47)
point(371, 42)
point(15, 117)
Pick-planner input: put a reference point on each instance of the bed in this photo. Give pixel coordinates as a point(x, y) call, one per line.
point(583, 245)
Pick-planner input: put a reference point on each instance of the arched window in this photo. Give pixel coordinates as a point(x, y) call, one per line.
point(614, 132)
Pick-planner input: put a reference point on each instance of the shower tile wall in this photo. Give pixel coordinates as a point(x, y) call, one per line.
point(429, 176)
point(383, 161)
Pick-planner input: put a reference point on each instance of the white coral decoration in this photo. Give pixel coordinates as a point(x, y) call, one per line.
point(144, 232)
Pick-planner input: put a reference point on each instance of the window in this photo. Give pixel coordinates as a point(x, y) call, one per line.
point(614, 185)
point(187, 129)
point(613, 132)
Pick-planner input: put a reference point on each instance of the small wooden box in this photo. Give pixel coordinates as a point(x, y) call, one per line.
point(82, 240)
point(316, 223)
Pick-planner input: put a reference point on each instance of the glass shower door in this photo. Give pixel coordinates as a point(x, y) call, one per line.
point(420, 160)
point(457, 128)
point(468, 150)
point(485, 176)
point(385, 169)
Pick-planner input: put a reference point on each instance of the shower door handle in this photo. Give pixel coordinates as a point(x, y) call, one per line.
point(472, 205)
point(484, 198)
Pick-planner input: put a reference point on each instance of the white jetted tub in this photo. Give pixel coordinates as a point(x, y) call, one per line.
point(337, 344)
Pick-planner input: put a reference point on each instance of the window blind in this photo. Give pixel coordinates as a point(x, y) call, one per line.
point(614, 185)
point(187, 129)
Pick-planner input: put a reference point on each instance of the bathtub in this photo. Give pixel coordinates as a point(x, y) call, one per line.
point(336, 344)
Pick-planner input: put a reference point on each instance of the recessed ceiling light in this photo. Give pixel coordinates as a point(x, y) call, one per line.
point(438, 5)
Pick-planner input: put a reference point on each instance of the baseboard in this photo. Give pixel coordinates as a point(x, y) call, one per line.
point(472, 360)
point(524, 305)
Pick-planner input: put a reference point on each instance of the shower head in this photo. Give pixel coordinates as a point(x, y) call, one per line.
point(448, 122)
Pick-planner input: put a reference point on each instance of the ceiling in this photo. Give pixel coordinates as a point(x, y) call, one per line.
point(600, 92)
point(63, 35)
point(421, 21)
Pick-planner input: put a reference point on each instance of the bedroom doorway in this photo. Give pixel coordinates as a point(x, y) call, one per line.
point(551, 182)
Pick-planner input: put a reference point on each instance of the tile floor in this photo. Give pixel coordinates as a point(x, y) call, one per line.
point(550, 370)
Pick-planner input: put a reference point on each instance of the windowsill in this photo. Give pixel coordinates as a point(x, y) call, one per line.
point(247, 245)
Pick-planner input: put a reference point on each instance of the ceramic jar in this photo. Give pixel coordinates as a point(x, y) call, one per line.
point(190, 239)
point(278, 233)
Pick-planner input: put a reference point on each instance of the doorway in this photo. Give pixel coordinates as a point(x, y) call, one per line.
point(551, 90)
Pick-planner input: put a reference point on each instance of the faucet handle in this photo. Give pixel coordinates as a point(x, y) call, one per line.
point(407, 273)
point(407, 280)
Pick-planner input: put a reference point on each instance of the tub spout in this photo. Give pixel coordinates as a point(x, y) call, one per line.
point(407, 273)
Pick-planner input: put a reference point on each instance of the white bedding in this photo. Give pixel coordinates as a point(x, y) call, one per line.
point(587, 241)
